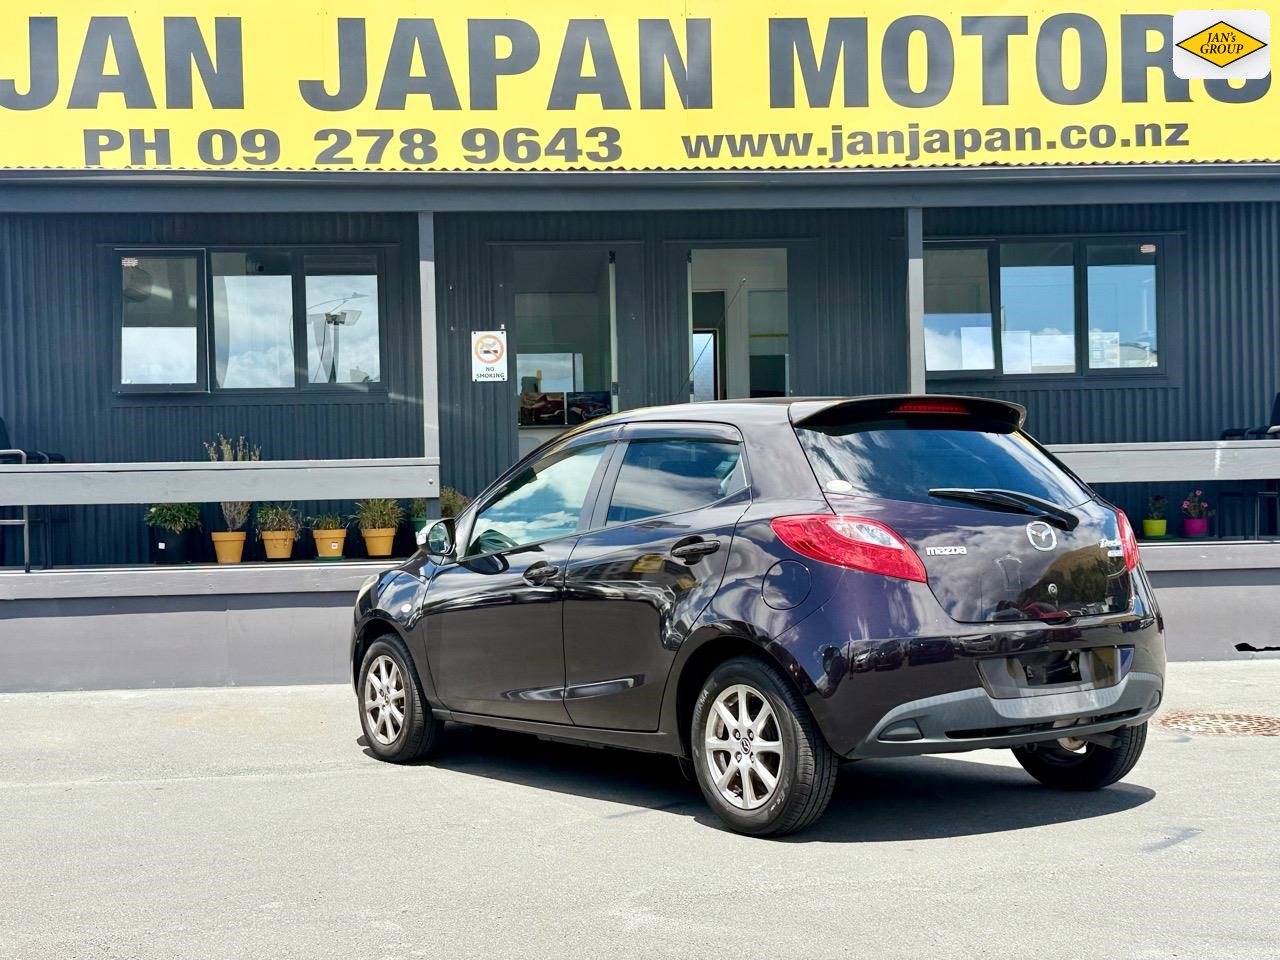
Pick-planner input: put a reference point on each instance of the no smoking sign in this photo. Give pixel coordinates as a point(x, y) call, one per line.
point(489, 356)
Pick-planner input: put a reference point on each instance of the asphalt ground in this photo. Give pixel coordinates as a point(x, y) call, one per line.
point(250, 822)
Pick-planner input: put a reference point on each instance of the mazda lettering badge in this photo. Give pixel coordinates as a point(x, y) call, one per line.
point(1041, 535)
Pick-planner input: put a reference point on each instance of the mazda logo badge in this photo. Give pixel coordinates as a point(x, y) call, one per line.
point(1041, 535)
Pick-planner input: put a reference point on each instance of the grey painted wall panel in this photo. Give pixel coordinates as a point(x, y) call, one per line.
point(56, 332)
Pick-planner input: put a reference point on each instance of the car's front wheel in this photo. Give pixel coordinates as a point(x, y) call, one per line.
point(398, 725)
point(762, 763)
point(1070, 763)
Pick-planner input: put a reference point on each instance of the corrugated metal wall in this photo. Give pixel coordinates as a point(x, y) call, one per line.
point(1222, 342)
point(846, 308)
point(1221, 332)
point(56, 327)
point(847, 322)
point(1221, 339)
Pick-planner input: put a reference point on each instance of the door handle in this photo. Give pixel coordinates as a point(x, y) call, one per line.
point(540, 573)
point(694, 549)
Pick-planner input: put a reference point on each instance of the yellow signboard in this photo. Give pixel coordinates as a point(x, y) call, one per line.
point(584, 85)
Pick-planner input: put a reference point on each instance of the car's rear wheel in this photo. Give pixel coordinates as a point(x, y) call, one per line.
point(762, 763)
point(1070, 763)
point(398, 725)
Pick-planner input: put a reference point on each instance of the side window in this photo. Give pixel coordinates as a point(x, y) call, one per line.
point(542, 502)
point(672, 476)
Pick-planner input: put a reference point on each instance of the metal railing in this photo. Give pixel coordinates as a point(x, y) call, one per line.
point(27, 485)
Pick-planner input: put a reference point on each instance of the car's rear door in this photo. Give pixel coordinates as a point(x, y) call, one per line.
point(493, 619)
point(636, 585)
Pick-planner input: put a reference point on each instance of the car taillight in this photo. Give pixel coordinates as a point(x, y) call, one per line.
point(1128, 541)
point(854, 542)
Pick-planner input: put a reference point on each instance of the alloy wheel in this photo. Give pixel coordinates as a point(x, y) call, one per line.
point(744, 747)
point(384, 697)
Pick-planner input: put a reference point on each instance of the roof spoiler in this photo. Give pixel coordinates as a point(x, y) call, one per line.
point(816, 412)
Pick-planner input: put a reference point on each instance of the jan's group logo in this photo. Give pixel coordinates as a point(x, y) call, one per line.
point(1222, 44)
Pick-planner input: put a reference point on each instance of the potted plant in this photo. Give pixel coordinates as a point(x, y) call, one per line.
point(1154, 524)
point(1196, 515)
point(452, 502)
point(278, 526)
point(172, 526)
point(377, 520)
point(229, 544)
point(420, 512)
point(330, 533)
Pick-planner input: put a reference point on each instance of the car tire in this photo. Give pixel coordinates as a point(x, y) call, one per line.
point(784, 746)
point(1087, 767)
point(413, 736)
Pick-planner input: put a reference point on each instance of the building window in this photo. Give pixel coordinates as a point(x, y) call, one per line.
point(342, 318)
point(1122, 305)
point(1037, 308)
point(281, 318)
point(161, 330)
point(1041, 307)
point(563, 311)
point(957, 310)
point(252, 318)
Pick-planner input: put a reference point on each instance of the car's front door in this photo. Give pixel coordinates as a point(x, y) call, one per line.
point(635, 586)
point(494, 617)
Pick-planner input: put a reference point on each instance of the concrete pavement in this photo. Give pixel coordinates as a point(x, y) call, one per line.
point(248, 822)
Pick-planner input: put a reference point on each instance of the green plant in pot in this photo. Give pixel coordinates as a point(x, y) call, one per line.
point(173, 526)
point(378, 519)
point(229, 544)
point(420, 510)
point(450, 504)
point(278, 526)
point(1154, 523)
point(329, 531)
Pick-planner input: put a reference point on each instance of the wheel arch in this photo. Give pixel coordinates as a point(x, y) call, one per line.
point(706, 649)
point(374, 628)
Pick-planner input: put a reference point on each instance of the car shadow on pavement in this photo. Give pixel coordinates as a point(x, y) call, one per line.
point(920, 798)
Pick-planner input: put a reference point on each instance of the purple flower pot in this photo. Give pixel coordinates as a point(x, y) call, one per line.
point(1195, 526)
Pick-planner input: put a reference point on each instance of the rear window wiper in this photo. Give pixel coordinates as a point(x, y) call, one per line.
point(1022, 502)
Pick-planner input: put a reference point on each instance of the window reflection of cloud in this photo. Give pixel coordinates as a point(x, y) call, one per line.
point(358, 346)
point(547, 506)
point(158, 355)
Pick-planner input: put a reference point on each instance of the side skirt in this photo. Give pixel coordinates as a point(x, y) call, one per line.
point(646, 742)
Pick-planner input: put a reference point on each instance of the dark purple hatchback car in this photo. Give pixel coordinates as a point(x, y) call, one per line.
point(765, 588)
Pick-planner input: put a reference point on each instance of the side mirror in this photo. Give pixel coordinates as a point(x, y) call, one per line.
point(437, 539)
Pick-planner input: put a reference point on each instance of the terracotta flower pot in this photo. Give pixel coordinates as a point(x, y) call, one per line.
point(329, 543)
point(1154, 528)
point(377, 543)
point(1195, 527)
point(229, 546)
point(278, 544)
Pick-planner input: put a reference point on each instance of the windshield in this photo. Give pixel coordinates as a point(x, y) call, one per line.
point(903, 458)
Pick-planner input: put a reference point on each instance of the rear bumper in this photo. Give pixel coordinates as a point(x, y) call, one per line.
point(973, 720)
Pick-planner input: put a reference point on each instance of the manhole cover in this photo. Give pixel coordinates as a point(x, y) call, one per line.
point(1222, 724)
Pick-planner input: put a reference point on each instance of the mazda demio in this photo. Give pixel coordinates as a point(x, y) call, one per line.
point(765, 588)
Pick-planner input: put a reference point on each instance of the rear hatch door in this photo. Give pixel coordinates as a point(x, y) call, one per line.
point(1005, 532)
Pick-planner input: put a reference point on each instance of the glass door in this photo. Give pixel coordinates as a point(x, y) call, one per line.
point(738, 311)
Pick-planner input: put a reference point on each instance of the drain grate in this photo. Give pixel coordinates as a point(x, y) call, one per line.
point(1222, 724)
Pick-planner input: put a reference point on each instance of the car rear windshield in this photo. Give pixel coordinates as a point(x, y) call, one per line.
point(903, 458)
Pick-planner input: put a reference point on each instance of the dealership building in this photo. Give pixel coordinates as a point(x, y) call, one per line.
point(397, 252)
